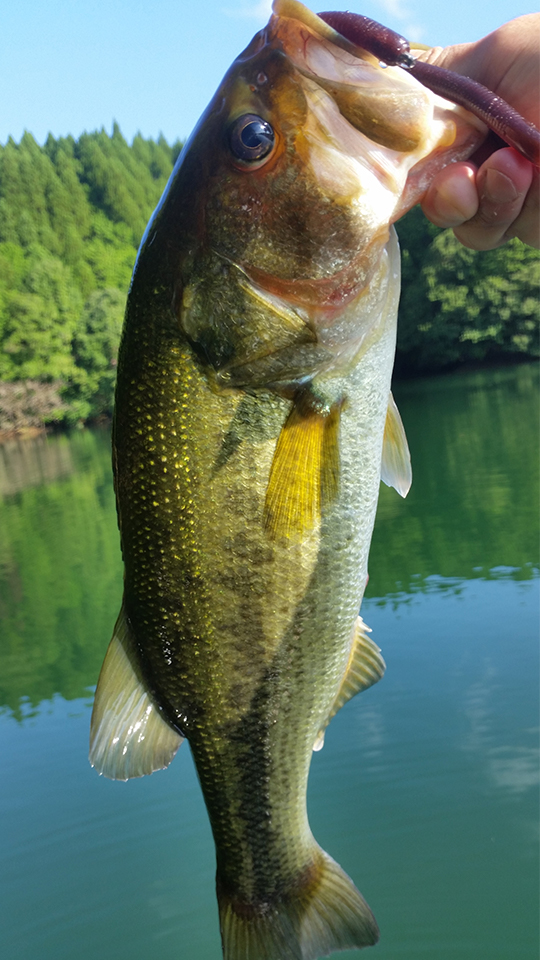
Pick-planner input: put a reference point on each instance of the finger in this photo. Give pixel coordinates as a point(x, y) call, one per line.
point(452, 197)
point(502, 182)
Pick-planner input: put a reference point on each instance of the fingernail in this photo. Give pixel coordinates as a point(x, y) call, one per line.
point(498, 187)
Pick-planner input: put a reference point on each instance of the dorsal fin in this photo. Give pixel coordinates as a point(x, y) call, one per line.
point(365, 667)
point(396, 460)
point(128, 735)
point(304, 474)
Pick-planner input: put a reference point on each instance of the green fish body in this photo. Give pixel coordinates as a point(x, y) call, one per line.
point(253, 418)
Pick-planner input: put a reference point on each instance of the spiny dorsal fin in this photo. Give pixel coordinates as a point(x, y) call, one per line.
point(304, 474)
point(396, 460)
point(365, 667)
point(128, 736)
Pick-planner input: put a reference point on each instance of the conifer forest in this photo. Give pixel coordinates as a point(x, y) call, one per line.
point(72, 214)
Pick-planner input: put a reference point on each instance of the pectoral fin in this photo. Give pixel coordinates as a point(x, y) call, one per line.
point(305, 471)
point(396, 460)
point(365, 667)
point(128, 736)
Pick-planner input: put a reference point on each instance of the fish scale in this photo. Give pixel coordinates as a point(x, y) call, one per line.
point(253, 421)
point(251, 738)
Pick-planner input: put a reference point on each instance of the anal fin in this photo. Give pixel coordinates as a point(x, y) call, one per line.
point(304, 475)
point(396, 460)
point(128, 736)
point(365, 667)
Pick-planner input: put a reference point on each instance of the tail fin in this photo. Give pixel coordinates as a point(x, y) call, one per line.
point(318, 918)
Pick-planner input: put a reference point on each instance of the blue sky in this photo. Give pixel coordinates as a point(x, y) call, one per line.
point(73, 65)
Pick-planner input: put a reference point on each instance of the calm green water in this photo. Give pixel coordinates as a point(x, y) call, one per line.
point(426, 790)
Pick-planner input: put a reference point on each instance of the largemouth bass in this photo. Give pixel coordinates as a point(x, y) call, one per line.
point(253, 419)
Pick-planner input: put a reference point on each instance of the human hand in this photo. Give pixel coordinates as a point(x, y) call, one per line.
point(491, 200)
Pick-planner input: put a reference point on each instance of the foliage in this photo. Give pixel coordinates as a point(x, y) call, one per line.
point(95, 351)
point(460, 305)
point(39, 320)
point(72, 214)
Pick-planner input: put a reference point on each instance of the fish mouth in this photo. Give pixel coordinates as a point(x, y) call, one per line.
point(361, 130)
point(382, 103)
point(306, 223)
point(358, 132)
point(376, 122)
point(294, 10)
point(366, 125)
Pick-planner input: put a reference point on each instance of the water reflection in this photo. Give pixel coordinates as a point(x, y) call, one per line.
point(514, 769)
point(473, 505)
point(371, 732)
point(479, 702)
point(472, 512)
point(32, 463)
point(425, 789)
point(60, 570)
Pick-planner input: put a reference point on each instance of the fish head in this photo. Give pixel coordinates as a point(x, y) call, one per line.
point(308, 152)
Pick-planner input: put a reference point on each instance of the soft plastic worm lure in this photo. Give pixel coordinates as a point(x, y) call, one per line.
point(394, 50)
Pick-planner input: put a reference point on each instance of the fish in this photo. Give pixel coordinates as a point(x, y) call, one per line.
point(253, 422)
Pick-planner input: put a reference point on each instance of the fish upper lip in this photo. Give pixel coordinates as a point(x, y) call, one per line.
point(307, 18)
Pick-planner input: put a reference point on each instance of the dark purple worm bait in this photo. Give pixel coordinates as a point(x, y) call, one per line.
point(385, 44)
point(493, 110)
point(394, 50)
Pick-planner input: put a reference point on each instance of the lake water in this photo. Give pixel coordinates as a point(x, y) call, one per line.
point(426, 790)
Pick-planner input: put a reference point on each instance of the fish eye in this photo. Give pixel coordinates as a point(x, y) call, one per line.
point(251, 138)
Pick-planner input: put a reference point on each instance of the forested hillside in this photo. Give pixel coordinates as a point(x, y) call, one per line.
point(459, 305)
point(72, 214)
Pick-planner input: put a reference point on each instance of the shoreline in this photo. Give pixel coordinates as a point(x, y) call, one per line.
point(31, 430)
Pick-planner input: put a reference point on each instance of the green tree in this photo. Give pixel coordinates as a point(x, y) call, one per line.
point(460, 305)
point(71, 216)
point(73, 212)
point(95, 351)
point(38, 321)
